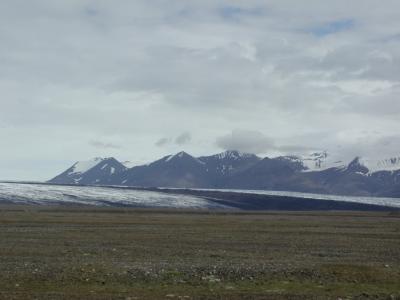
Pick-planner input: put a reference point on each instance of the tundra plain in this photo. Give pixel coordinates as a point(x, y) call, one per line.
point(61, 252)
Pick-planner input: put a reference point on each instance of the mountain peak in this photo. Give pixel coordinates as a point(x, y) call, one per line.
point(181, 156)
point(233, 154)
point(83, 166)
point(381, 164)
point(177, 155)
point(90, 171)
point(234, 169)
point(317, 161)
point(356, 166)
point(182, 153)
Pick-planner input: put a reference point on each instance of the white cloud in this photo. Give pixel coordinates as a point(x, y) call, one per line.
point(246, 141)
point(131, 72)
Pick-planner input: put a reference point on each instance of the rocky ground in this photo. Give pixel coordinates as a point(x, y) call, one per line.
point(87, 253)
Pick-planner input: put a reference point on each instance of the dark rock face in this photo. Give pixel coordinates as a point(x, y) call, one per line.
point(356, 167)
point(268, 173)
point(179, 170)
point(221, 166)
point(184, 170)
point(235, 170)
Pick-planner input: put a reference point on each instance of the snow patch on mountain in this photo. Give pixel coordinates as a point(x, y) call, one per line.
point(181, 155)
point(233, 154)
point(377, 165)
point(318, 161)
point(129, 164)
point(81, 167)
point(169, 157)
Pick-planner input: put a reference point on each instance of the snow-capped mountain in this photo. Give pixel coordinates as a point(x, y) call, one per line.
point(317, 172)
point(94, 171)
point(377, 165)
point(228, 162)
point(318, 161)
point(178, 170)
point(184, 170)
point(182, 157)
point(231, 155)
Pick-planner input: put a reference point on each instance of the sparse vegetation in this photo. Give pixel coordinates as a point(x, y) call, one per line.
point(87, 253)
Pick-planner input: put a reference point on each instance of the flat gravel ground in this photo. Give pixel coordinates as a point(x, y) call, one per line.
point(100, 253)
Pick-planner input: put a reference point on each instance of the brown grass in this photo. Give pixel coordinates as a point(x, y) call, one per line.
point(86, 253)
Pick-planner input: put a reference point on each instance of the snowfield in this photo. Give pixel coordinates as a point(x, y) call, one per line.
point(42, 194)
point(389, 202)
point(45, 194)
point(84, 166)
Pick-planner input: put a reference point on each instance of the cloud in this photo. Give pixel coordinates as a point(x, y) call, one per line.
point(297, 149)
point(302, 75)
point(103, 145)
point(162, 142)
point(258, 143)
point(246, 141)
point(183, 138)
point(234, 13)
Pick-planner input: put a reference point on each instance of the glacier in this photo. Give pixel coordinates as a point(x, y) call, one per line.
point(51, 194)
point(46, 194)
point(381, 201)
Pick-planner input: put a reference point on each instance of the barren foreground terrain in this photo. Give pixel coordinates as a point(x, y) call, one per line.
point(103, 253)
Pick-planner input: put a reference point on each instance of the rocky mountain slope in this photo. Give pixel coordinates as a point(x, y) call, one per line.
point(316, 173)
point(95, 171)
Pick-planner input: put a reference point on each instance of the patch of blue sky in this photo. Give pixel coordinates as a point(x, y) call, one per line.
point(333, 27)
point(90, 11)
point(236, 12)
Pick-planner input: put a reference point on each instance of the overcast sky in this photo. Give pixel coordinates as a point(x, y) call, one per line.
point(141, 79)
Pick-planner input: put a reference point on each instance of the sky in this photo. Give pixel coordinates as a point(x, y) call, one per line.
point(141, 79)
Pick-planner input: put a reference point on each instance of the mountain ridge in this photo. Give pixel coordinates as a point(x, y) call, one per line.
point(317, 172)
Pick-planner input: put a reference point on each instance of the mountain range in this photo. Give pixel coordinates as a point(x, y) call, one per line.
point(315, 173)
